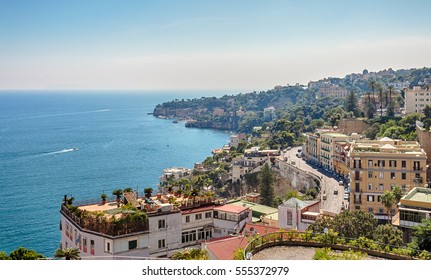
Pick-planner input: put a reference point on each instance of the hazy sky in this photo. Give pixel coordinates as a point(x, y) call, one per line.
point(240, 45)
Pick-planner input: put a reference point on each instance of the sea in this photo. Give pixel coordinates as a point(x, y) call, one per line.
point(83, 144)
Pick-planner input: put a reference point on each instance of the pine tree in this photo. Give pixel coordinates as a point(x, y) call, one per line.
point(266, 181)
point(351, 104)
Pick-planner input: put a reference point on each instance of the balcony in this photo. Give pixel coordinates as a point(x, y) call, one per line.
point(418, 180)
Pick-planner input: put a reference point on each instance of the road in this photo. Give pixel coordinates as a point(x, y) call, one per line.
point(329, 183)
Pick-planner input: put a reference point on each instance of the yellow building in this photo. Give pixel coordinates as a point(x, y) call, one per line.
point(327, 148)
point(377, 166)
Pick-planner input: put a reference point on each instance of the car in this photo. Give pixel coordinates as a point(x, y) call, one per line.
point(335, 191)
point(341, 183)
point(346, 196)
point(324, 196)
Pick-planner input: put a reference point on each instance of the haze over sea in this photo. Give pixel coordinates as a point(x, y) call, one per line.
point(119, 145)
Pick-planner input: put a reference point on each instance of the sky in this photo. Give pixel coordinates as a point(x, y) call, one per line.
point(213, 45)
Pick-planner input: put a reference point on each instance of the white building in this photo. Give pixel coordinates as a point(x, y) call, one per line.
point(416, 99)
point(298, 214)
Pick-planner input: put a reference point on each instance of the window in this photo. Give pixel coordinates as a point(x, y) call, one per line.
point(162, 243)
point(187, 219)
point(381, 211)
point(370, 163)
point(107, 246)
point(370, 174)
point(289, 218)
point(403, 164)
point(356, 187)
point(381, 187)
point(370, 210)
point(392, 163)
point(133, 244)
point(207, 215)
point(370, 187)
point(370, 198)
point(381, 175)
point(403, 188)
point(162, 224)
point(188, 236)
point(379, 198)
point(84, 244)
point(215, 214)
point(92, 246)
point(198, 217)
point(381, 163)
point(204, 234)
point(403, 176)
point(416, 165)
point(393, 175)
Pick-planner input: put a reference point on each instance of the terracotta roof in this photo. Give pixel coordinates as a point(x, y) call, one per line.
point(261, 229)
point(231, 208)
point(223, 248)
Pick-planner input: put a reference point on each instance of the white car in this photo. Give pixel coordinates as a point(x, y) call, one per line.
point(346, 196)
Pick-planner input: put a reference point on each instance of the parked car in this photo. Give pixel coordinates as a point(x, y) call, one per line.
point(346, 196)
point(341, 183)
point(335, 191)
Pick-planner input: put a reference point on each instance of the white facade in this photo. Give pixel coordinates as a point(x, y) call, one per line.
point(165, 233)
point(416, 99)
point(297, 214)
point(230, 219)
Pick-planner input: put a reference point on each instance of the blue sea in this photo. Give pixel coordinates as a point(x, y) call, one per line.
point(118, 145)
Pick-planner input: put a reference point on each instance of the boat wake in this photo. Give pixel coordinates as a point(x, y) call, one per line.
point(63, 151)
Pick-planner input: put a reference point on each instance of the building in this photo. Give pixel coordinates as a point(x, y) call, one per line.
point(312, 150)
point(416, 99)
point(173, 174)
point(340, 159)
point(298, 214)
point(424, 139)
point(269, 113)
point(235, 139)
point(413, 208)
point(378, 165)
point(327, 148)
point(333, 91)
point(147, 227)
point(259, 212)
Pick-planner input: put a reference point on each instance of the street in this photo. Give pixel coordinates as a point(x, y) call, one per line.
point(329, 184)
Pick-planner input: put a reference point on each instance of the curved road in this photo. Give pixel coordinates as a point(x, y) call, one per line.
point(333, 202)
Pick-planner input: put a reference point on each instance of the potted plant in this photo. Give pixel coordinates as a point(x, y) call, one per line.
point(148, 192)
point(103, 196)
point(118, 193)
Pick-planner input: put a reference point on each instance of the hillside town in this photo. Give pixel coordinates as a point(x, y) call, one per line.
point(279, 178)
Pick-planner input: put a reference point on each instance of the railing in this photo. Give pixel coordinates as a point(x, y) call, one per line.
point(308, 239)
point(104, 226)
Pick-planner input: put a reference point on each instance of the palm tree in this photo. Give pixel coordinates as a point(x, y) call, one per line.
point(388, 199)
point(68, 253)
point(190, 254)
point(118, 193)
point(373, 85)
point(391, 103)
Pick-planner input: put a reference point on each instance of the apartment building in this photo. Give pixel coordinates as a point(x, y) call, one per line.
point(413, 208)
point(333, 91)
point(377, 166)
point(416, 99)
point(154, 229)
point(327, 148)
point(312, 150)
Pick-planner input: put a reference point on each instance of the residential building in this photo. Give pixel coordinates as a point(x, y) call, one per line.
point(235, 139)
point(312, 150)
point(173, 173)
point(413, 208)
point(424, 139)
point(298, 214)
point(259, 212)
point(269, 113)
point(416, 99)
point(333, 91)
point(327, 148)
point(340, 159)
point(154, 228)
point(377, 166)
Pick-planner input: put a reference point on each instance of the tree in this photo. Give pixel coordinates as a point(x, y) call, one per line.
point(391, 105)
point(266, 181)
point(389, 235)
point(68, 253)
point(388, 199)
point(25, 254)
point(427, 111)
point(422, 236)
point(349, 224)
point(190, 254)
point(351, 104)
point(4, 256)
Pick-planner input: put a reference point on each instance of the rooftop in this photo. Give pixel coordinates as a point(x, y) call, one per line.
point(417, 196)
point(257, 209)
point(334, 135)
point(231, 208)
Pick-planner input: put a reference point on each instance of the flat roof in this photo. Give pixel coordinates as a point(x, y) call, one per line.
point(420, 195)
point(231, 208)
point(255, 207)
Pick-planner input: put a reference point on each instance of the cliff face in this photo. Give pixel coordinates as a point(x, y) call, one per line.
point(210, 124)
